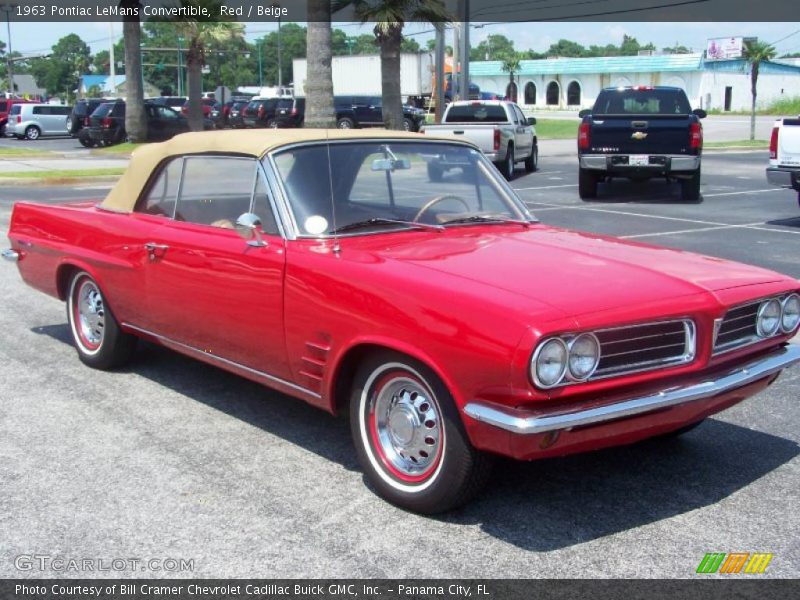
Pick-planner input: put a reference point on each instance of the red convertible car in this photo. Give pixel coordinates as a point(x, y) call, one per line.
point(450, 323)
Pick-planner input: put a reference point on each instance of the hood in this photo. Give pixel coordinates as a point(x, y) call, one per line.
point(576, 271)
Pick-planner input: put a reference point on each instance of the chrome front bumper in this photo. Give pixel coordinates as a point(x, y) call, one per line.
point(11, 255)
point(528, 422)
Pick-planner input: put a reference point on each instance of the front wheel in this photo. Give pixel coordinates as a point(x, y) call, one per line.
point(532, 162)
point(409, 438)
point(100, 342)
point(345, 123)
point(408, 124)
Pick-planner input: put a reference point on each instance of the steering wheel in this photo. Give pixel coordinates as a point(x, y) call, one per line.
point(434, 201)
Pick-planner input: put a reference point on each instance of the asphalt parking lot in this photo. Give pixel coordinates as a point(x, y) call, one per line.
point(171, 459)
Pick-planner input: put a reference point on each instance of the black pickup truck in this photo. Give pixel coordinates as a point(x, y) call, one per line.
point(640, 132)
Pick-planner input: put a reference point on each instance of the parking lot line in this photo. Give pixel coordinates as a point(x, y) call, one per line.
point(774, 189)
point(546, 187)
point(632, 214)
point(660, 233)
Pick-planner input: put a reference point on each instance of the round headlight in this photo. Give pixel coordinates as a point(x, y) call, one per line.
point(791, 313)
point(769, 318)
point(550, 363)
point(584, 354)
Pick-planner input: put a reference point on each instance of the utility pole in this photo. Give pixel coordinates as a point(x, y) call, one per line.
point(180, 75)
point(112, 65)
point(464, 73)
point(455, 90)
point(260, 66)
point(438, 93)
point(9, 8)
point(280, 60)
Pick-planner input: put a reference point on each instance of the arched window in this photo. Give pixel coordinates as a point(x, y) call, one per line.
point(530, 93)
point(511, 91)
point(553, 92)
point(574, 94)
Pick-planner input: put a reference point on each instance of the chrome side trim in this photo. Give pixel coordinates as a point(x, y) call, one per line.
point(528, 422)
point(10, 255)
point(223, 361)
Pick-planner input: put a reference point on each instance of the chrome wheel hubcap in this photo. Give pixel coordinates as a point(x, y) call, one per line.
point(408, 426)
point(91, 313)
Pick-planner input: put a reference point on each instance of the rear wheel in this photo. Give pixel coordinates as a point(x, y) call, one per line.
point(587, 184)
point(32, 132)
point(100, 342)
point(533, 160)
point(507, 166)
point(690, 188)
point(409, 437)
point(408, 124)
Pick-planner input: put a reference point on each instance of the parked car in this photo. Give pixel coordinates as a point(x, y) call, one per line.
point(235, 118)
point(290, 112)
point(32, 121)
point(79, 119)
point(367, 111)
point(174, 102)
point(784, 155)
point(640, 133)
point(261, 113)
point(499, 128)
point(491, 96)
point(107, 123)
point(207, 105)
point(5, 108)
point(447, 321)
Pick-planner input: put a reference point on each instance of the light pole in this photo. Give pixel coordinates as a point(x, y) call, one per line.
point(277, 5)
point(8, 9)
point(180, 60)
point(260, 65)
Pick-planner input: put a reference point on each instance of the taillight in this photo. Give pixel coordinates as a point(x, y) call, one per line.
point(260, 112)
point(19, 118)
point(86, 121)
point(106, 122)
point(773, 144)
point(496, 140)
point(695, 136)
point(583, 136)
point(294, 111)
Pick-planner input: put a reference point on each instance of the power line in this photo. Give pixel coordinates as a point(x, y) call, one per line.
point(784, 38)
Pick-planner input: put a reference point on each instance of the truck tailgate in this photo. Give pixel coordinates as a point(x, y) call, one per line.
point(646, 134)
point(789, 143)
point(480, 135)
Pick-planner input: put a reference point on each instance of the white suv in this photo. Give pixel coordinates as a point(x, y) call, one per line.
point(31, 121)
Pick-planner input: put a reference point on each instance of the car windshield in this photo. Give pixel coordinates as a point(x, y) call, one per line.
point(390, 185)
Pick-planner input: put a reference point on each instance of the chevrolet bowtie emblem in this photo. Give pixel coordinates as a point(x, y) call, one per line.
point(638, 135)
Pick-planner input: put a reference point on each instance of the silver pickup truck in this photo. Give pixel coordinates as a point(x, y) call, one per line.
point(497, 127)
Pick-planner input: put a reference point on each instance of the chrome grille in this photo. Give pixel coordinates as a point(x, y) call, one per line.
point(737, 328)
point(644, 347)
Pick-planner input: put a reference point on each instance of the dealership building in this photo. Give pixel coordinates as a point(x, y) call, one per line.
point(566, 83)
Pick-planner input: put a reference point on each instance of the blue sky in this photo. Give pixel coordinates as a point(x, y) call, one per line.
point(39, 37)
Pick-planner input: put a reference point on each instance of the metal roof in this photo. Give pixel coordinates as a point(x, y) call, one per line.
point(625, 64)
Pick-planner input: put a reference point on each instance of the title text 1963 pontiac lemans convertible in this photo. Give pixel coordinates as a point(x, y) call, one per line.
point(447, 320)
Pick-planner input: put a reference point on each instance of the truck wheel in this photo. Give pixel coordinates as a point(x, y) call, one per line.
point(32, 133)
point(345, 123)
point(533, 160)
point(101, 344)
point(434, 173)
point(408, 124)
point(507, 166)
point(409, 437)
point(587, 184)
point(690, 188)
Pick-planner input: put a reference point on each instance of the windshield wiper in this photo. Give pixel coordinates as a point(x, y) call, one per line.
point(486, 218)
point(381, 221)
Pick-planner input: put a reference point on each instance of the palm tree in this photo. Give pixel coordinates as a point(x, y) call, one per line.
point(135, 118)
point(511, 64)
point(200, 35)
point(754, 54)
point(319, 78)
point(389, 17)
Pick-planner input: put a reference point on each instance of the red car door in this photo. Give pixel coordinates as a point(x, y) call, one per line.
point(207, 288)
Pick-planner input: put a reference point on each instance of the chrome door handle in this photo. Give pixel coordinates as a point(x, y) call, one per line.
point(153, 248)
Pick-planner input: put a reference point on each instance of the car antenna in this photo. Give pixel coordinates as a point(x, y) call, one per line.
point(336, 248)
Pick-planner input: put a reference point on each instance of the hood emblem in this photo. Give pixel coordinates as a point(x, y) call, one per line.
point(638, 135)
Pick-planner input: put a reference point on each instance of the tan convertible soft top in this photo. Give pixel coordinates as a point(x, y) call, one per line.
point(252, 142)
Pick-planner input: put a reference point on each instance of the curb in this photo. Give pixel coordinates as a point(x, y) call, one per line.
point(44, 182)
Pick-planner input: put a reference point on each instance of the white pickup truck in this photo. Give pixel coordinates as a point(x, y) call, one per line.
point(497, 127)
point(784, 155)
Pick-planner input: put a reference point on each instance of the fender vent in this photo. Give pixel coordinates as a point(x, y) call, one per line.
point(313, 363)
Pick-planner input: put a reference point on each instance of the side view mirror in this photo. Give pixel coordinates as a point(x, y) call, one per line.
point(248, 226)
point(700, 113)
point(584, 113)
point(531, 120)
